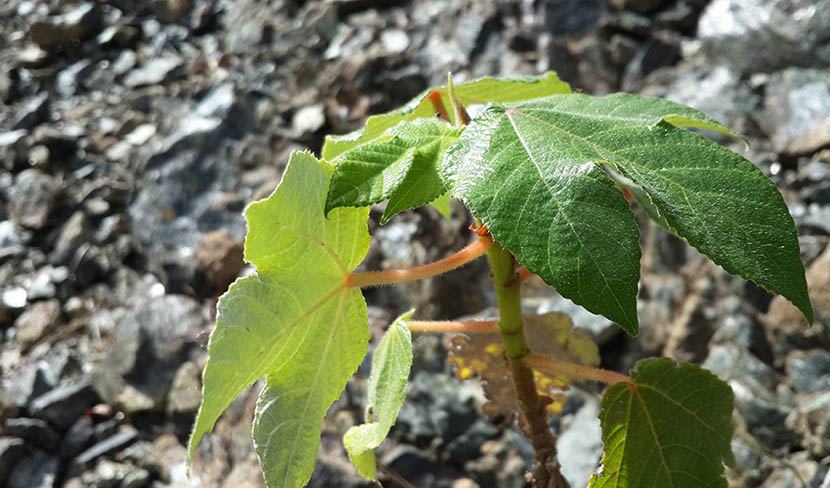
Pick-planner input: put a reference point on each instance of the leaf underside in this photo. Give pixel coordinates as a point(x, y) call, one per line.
point(551, 334)
point(391, 362)
point(533, 172)
point(671, 428)
point(480, 91)
point(293, 322)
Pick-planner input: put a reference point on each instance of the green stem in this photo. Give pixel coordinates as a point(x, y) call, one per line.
point(509, 294)
point(533, 417)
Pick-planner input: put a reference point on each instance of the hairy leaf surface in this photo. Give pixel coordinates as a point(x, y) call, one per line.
point(387, 391)
point(401, 166)
point(480, 91)
point(671, 428)
point(294, 321)
point(533, 173)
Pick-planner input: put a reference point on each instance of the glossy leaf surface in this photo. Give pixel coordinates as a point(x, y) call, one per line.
point(533, 173)
point(294, 321)
point(391, 362)
point(671, 427)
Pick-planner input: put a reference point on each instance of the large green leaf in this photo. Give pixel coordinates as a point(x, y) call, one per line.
point(402, 166)
point(387, 391)
point(532, 173)
point(480, 91)
point(672, 427)
point(557, 212)
point(295, 321)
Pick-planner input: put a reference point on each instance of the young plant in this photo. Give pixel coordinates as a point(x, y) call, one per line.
point(541, 169)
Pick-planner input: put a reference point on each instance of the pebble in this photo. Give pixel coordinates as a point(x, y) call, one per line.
point(76, 24)
point(152, 72)
point(309, 119)
point(37, 321)
point(64, 404)
point(32, 112)
point(31, 198)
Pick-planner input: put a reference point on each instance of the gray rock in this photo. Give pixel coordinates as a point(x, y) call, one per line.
point(11, 451)
point(579, 447)
point(655, 53)
point(31, 198)
point(188, 179)
point(681, 16)
point(13, 240)
point(754, 384)
point(76, 24)
point(35, 432)
point(125, 436)
point(467, 446)
point(309, 119)
point(37, 470)
point(185, 391)
point(147, 349)
point(32, 112)
point(13, 148)
point(799, 470)
point(796, 103)
point(818, 216)
point(78, 437)
point(70, 78)
point(64, 404)
point(153, 72)
point(809, 372)
point(109, 473)
point(37, 321)
point(714, 90)
point(788, 32)
point(74, 232)
point(812, 422)
point(642, 6)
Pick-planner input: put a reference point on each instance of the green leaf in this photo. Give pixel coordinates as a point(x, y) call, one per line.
point(387, 392)
point(483, 90)
point(552, 207)
point(442, 204)
point(555, 210)
point(401, 166)
point(671, 428)
point(295, 321)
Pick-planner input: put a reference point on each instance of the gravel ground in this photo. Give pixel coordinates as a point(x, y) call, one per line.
point(133, 133)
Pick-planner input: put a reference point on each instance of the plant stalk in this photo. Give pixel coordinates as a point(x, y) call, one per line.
point(533, 417)
point(462, 257)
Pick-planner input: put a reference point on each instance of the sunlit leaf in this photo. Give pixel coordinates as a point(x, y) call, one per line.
point(293, 322)
point(480, 91)
point(387, 391)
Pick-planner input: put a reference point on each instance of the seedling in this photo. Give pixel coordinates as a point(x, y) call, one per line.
point(541, 169)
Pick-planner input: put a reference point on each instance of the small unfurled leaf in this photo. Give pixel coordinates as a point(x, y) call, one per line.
point(294, 322)
point(551, 334)
point(480, 91)
point(387, 391)
point(671, 427)
point(401, 166)
point(533, 173)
